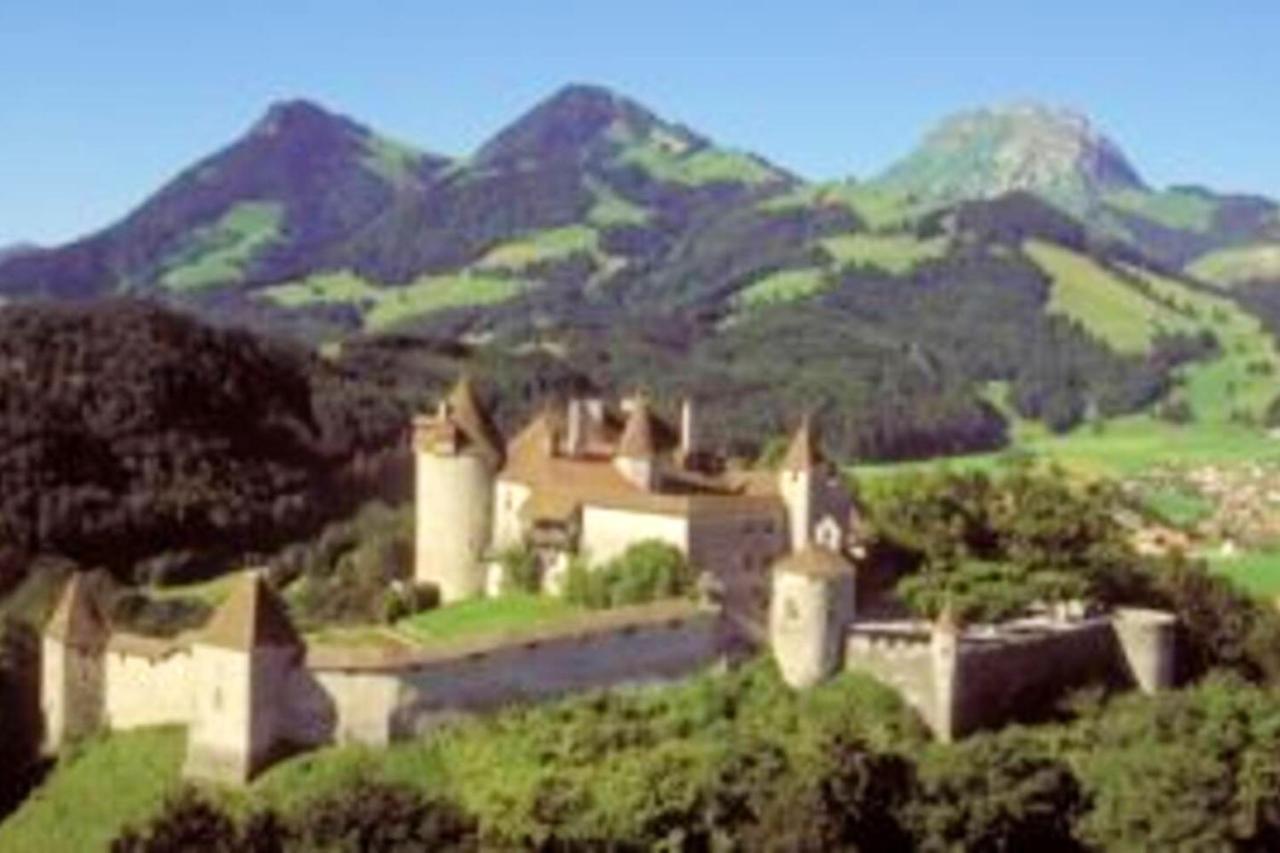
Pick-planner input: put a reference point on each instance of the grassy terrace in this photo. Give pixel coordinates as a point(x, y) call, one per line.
point(512, 612)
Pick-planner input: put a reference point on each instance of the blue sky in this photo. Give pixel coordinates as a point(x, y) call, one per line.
point(103, 101)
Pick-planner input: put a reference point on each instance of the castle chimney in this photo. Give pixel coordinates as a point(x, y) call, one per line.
point(688, 431)
point(576, 429)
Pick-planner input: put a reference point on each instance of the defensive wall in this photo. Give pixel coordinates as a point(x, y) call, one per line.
point(963, 680)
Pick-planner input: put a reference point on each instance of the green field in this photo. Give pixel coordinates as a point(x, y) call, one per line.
point(1103, 303)
point(611, 210)
point(385, 306)
point(783, 286)
point(1233, 266)
point(341, 287)
point(541, 246)
point(672, 162)
point(506, 613)
point(218, 253)
point(95, 790)
point(897, 254)
point(1184, 211)
point(878, 208)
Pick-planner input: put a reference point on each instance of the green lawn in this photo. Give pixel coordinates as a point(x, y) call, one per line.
point(96, 790)
point(218, 253)
point(1258, 572)
point(510, 612)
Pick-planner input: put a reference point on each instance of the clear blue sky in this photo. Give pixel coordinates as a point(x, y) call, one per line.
point(102, 101)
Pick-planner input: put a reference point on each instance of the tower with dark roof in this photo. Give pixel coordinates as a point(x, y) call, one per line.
point(242, 665)
point(458, 453)
point(72, 683)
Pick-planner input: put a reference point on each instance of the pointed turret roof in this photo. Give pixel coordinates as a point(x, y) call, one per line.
point(470, 417)
point(803, 454)
point(252, 616)
point(637, 439)
point(77, 620)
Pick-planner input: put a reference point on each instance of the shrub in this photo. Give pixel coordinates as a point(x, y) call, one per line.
point(646, 571)
point(520, 570)
point(376, 816)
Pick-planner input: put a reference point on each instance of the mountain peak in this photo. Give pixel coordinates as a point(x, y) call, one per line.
point(571, 121)
point(298, 115)
point(1054, 152)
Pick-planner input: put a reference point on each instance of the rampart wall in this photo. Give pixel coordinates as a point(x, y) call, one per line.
point(146, 682)
point(354, 695)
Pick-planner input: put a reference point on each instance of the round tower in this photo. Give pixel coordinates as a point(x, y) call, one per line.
point(457, 456)
point(809, 613)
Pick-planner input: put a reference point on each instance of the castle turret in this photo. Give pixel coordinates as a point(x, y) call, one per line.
point(458, 453)
point(241, 663)
point(800, 481)
point(636, 457)
point(944, 653)
point(72, 685)
point(809, 614)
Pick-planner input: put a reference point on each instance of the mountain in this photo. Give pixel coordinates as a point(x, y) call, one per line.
point(1054, 153)
point(623, 250)
point(259, 210)
point(1062, 157)
point(13, 250)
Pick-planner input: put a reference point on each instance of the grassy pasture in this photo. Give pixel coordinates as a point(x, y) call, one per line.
point(219, 252)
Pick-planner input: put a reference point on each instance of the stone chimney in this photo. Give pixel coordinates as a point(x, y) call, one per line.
point(689, 448)
point(575, 441)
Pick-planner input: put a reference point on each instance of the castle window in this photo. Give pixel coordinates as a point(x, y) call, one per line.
point(217, 698)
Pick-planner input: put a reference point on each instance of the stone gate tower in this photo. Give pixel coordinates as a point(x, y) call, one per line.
point(241, 665)
point(457, 453)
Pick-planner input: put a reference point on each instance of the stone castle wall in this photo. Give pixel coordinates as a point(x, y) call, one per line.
point(1012, 671)
point(349, 697)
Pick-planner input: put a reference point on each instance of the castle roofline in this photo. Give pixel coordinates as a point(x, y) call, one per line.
point(803, 453)
point(252, 617)
point(77, 620)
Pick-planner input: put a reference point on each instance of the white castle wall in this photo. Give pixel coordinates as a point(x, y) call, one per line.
point(147, 682)
point(608, 532)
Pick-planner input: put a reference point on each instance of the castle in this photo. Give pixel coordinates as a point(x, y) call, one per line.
point(581, 481)
point(586, 480)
